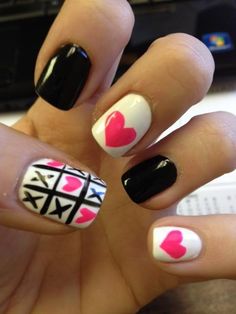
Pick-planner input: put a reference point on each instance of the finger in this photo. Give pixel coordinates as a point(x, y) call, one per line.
point(188, 158)
point(174, 74)
point(79, 52)
point(196, 247)
point(42, 190)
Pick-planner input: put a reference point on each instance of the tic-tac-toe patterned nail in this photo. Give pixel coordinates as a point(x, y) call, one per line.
point(123, 125)
point(62, 193)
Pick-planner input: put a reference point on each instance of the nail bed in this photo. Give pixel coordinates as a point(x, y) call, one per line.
point(149, 178)
point(64, 77)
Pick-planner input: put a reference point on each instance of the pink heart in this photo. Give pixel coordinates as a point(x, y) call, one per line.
point(87, 215)
point(72, 184)
point(116, 134)
point(55, 163)
point(172, 244)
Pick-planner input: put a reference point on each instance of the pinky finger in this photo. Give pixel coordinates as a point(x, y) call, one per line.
point(196, 247)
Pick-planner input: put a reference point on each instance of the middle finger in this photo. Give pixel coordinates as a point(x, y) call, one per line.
point(174, 74)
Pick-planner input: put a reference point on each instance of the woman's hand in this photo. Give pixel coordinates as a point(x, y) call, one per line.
point(109, 267)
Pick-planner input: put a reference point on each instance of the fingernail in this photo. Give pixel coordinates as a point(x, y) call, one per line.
point(62, 193)
point(123, 125)
point(64, 77)
point(149, 178)
point(174, 244)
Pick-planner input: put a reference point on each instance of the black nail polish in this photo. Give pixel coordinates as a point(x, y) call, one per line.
point(64, 77)
point(149, 178)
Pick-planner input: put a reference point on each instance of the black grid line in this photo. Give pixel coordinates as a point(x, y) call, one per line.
point(60, 194)
point(70, 172)
point(47, 191)
point(51, 193)
point(80, 200)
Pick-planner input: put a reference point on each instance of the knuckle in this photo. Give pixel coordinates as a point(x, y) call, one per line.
point(118, 17)
point(217, 134)
point(188, 62)
point(189, 71)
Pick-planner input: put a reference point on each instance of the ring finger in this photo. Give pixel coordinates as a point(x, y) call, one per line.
point(188, 158)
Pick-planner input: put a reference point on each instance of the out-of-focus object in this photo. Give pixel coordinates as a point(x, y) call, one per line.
point(23, 27)
point(25, 23)
point(212, 21)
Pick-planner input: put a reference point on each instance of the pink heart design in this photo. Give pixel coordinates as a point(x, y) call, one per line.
point(55, 163)
point(172, 244)
point(72, 184)
point(116, 134)
point(87, 215)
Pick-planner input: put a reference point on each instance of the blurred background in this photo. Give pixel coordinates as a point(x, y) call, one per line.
point(23, 27)
point(25, 23)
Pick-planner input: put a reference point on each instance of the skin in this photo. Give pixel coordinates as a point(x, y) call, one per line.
point(107, 263)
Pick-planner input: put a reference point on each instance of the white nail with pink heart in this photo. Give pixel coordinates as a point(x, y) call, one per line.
point(123, 125)
point(62, 192)
point(175, 244)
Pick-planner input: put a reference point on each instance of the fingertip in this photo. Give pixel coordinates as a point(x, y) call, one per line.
point(194, 247)
point(178, 246)
point(88, 66)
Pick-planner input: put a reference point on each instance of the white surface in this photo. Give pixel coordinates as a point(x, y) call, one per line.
point(10, 118)
point(219, 101)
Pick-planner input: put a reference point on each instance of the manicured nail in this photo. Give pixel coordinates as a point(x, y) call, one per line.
point(62, 193)
point(174, 244)
point(123, 125)
point(64, 77)
point(149, 178)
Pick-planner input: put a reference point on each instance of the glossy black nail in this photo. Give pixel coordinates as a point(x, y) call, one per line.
point(149, 178)
point(64, 77)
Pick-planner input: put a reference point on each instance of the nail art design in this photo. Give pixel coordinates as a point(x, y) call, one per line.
point(175, 244)
point(64, 77)
point(149, 178)
point(123, 125)
point(62, 193)
point(116, 134)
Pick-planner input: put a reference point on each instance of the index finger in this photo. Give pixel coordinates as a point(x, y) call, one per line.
point(93, 34)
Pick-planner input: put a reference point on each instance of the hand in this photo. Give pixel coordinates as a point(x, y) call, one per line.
point(108, 268)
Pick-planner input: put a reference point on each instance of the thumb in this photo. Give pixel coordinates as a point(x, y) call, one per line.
point(42, 189)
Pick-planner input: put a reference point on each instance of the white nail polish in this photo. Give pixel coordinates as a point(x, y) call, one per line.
point(175, 244)
point(62, 193)
point(123, 125)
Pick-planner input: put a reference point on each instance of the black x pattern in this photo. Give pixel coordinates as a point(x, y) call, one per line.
point(59, 210)
point(32, 199)
point(78, 201)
